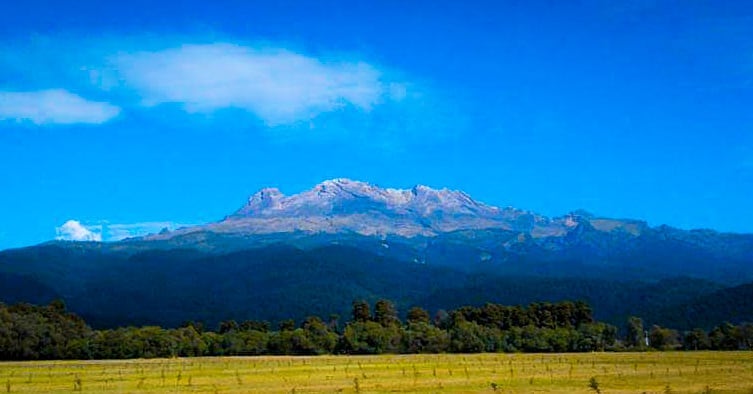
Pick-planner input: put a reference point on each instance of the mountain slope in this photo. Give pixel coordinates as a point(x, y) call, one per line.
point(168, 287)
point(708, 310)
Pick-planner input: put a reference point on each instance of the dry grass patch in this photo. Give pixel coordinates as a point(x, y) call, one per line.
point(667, 372)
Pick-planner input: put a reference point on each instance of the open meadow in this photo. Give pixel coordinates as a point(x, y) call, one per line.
point(657, 372)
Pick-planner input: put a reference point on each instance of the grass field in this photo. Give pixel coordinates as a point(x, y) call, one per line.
point(675, 372)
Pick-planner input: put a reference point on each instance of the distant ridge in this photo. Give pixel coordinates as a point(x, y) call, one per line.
point(449, 228)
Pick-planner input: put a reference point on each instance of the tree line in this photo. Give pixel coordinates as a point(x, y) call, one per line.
point(29, 332)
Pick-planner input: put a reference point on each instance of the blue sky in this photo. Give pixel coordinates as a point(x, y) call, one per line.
point(134, 116)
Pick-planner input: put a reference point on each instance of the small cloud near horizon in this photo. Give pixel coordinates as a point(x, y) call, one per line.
point(73, 230)
point(54, 106)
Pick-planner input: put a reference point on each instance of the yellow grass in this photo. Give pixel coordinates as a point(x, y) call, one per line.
point(692, 372)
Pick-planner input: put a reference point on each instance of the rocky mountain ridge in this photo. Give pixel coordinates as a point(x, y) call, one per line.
point(347, 206)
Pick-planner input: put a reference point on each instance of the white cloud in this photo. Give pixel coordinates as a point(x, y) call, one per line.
point(73, 230)
point(277, 85)
point(54, 106)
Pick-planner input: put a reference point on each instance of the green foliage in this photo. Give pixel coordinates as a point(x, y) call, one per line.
point(697, 339)
point(361, 312)
point(664, 338)
point(635, 333)
point(595, 337)
point(30, 332)
point(422, 337)
point(322, 340)
point(724, 337)
point(49, 332)
point(385, 313)
point(252, 325)
point(418, 315)
point(469, 337)
point(370, 338)
point(287, 325)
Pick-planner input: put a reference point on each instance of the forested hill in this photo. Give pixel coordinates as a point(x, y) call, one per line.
point(168, 287)
point(732, 305)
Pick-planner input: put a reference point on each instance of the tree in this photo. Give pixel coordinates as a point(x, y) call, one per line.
point(519, 317)
point(334, 323)
point(744, 333)
point(212, 344)
point(254, 342)
point(541, 315)
point(564, 315)
point(385, 313)
point(469, 337)
point(442, 319)
point(422, 337)
point(663, 338)
point(198, 326)
point(253, 325)
point(30, 332)
point(418, 315)
point(361, 312)
point(583, 314)
point(322, 340)
point(635, 334)
point(722, 337)
point(287, 325)
point(227, 326)
point(595, 337)
point(697, 339)
point(189, 342)
point(58, 305)
point(370, 338)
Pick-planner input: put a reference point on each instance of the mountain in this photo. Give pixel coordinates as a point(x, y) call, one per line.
point(283, 256)
point(449, 228)
point(345, 206)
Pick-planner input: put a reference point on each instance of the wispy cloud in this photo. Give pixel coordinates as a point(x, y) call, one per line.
point(117, 232)
point(301, 96)
point(277, 85)
point(73, 230)
point(54, 106)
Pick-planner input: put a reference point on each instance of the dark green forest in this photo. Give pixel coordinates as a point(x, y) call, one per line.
point(29, 332)
point(167, 287)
